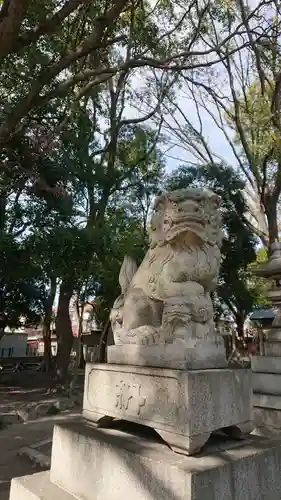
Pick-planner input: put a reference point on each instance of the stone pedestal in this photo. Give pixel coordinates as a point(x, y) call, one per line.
point(196, 354)
point(136, 418)
point(103, 464)
point(267, 393)
point(184, 407)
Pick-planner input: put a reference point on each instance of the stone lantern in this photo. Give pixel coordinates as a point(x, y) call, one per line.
point(267, 368)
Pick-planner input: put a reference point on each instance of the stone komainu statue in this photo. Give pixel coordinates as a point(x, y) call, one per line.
point(167, 299)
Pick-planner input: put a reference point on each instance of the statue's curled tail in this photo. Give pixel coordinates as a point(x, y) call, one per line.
point(127, 271)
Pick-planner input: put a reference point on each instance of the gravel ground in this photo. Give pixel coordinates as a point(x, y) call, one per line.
point(12, 439)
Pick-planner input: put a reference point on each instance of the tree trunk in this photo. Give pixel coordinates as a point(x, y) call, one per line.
point(64, 331)
point(270, 207)
point(47, 324)
point(82, 362)
point(47, 344)
point(240, 321)
point(233, 340)
point(3, 205)
point(11, 17)
point(3, 323)
point(103, 342)
point(2, 332)
point(79, 346)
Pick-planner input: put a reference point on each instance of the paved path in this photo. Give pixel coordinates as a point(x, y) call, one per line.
point(11, 440)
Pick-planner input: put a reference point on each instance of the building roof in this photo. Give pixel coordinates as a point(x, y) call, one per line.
point(261, 314)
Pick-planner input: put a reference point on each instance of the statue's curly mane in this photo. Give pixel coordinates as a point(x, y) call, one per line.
point(200, 262)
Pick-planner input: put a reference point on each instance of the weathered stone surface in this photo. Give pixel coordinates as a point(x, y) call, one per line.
point(44, 409)
point(35, 412)
point(109, 464)
point(26, 415)
point(37, 487)
point(267, 415)
point(167, 299)
point(101, 464)
point(65, 404)
point(267, 369)
point(272, 348)
point(35, 456)
point(9, 418)
point(267, 383)
point(186, 404)
point(273, 335)
point(268, 419)
point(267, 401)
point(266, 364)
point(193, 355)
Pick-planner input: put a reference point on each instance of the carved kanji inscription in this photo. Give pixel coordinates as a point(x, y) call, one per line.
point(129, 395)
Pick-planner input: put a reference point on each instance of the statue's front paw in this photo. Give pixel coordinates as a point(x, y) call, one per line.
point(143, 335)
point(120, 337)
point(147, 335)
point(151, 336)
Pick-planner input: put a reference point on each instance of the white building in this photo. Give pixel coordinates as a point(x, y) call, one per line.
point(13, 345)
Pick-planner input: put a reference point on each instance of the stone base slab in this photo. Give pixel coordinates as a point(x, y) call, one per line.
point(37, 487)
point(268, 417)
point(267, 401)
point(273, 334)
point(267, 394)
point(101, 464)
point(272, 348)
point(266, 364)
point(267, 421)
point(201, 355)
point(184, 407)
point(267, 383)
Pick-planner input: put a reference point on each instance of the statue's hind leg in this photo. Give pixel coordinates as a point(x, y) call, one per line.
point(142, 317)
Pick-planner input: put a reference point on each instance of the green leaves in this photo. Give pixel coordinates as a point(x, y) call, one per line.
point(262, 137)
point(20, 293)
point(81, 162)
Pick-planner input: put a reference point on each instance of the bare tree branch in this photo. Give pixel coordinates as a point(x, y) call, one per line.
point(50, 25)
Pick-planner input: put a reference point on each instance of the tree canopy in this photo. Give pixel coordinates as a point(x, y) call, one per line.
point(240, 103)
point(88, 103)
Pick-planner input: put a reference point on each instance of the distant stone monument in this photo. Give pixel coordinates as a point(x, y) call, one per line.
point(267, 367)
point(166, 388)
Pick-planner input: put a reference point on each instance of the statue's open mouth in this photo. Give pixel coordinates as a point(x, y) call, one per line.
point(187, 225)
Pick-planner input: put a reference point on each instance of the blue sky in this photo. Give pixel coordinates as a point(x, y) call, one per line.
point(211, 132)
point(213, 135)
